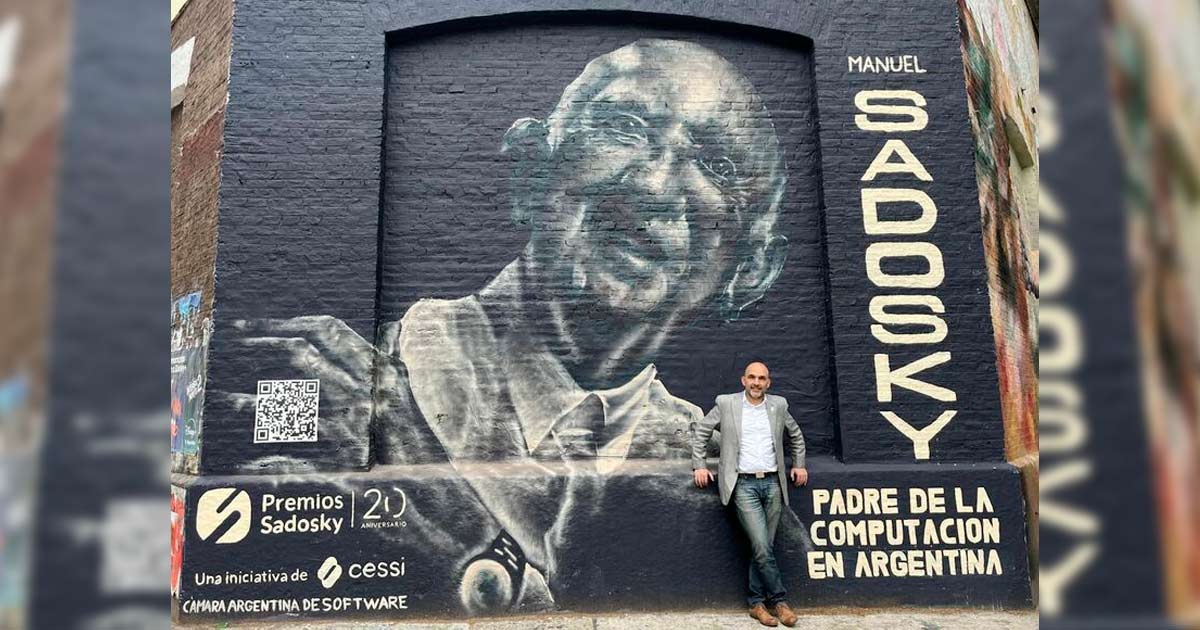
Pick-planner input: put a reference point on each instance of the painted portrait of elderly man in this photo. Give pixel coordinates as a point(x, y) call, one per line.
point(653, 188)
point(653, 191)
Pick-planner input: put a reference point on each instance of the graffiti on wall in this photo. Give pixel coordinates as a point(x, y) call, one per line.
point(177, 520)
point(1005, 154)
point(1155, 94)
point(189, 348)
point(19, 439)
point(16, 536)
point(654, 189)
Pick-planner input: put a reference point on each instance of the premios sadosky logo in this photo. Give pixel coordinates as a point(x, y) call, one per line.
point(223, 515)
point(227, 515)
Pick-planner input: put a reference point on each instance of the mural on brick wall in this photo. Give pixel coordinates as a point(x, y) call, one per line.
point(653, 189)
point(465, 322)
point(997, 104)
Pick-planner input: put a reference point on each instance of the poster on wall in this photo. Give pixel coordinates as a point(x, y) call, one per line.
point(189, 347)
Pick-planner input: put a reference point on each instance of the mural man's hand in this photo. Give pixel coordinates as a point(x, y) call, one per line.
point(319, 346)
point(323, 348)
point(799, 476)
point(702, 477)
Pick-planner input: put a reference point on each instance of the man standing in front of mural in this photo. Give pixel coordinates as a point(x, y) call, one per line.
point(751, 468)
point(654, 190)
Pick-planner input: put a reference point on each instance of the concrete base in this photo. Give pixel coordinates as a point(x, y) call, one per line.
point(432, 541)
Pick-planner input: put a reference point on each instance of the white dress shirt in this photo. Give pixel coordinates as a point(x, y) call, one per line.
point(757, 451)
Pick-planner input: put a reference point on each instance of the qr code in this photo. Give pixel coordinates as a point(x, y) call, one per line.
point(286, 411)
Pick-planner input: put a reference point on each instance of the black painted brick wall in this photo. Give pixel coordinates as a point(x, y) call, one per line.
point(300, 192)
point(930, 31)
point(446, 227)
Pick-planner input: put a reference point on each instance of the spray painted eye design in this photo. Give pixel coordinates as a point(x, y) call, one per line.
point(720, 168)
point(624, 128)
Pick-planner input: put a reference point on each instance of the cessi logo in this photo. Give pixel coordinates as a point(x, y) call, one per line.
point(223, 514)
point(329, 572)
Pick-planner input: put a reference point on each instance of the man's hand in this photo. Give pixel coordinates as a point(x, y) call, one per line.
point(702, 477)
point(315, 347)
point(799, 476)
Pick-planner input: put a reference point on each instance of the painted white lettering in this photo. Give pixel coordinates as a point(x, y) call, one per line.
point(908, 162)
point(923, 437)
point(1060, 325)
point(873, 103)
point(932, 277)
point(937, 328)
point(1053, 580)
point(1056, 514)
point(886, 378)
point(1061, 425)
point(873, 198)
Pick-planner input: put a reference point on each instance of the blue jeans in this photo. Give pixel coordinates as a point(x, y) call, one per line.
point(759, 504)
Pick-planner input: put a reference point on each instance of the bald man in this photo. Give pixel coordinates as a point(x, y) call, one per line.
point(752, 425)
point(653, 190)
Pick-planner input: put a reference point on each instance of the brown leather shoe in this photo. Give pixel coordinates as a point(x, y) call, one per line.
point(786, 614)
point(759, 612)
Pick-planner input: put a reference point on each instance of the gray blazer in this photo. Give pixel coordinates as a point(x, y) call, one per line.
point(726, 417)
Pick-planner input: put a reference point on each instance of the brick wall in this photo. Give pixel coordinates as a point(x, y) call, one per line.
point(1001, 57)
point(446, 186)
point(300, 204)
point(196, 143)
point(31, 106)
point(197, 126)
point(361, 173)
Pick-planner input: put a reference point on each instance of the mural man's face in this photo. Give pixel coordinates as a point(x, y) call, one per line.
point(659, 153)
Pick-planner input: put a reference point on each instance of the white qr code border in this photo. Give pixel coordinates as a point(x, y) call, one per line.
point(305, 393)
